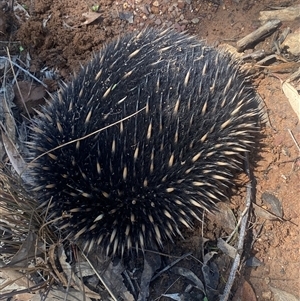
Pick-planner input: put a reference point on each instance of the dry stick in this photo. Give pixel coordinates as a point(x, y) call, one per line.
point(238, 255)
point(86, 136)
point(245, 216)
point(14, 156)
point(24, 70)
point(294, 76)
point(30, 290)
point(18, 87)
point(170, 286)
point(81, 138)
point(258, 34)
point(236, 227)
point(171, 265)
point(100, 278)
point(294, 139)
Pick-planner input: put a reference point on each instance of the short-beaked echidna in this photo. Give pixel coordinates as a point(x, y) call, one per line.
point(147, 135)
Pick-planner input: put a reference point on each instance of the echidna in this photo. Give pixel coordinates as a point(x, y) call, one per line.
point(147, 135)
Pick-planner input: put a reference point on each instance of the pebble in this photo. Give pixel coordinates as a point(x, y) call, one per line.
point(292, 43)
point(181, 4)
point(154, 9)
point(126, 15)
point(195, 20)
point(145, 9)
point(267, 295)
point(157, 21)
point(184, 21)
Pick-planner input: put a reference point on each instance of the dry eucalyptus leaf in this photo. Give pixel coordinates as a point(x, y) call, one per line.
point(29, 95)
point(68, 270)
point(275, 204)
point(24, 297)
point(176, 296)
point(253, 262)
point(13, 280)
point(226, 248)
point(224, 217)
point(20, 10)
point(259, 211)
point(208, 256)
point(83, 269)
point(293, 97)
point(6, 104)
point(14, 156)
point(211, 278)
point(7, 96)
point(152, 262)
point(27, 252)
point(189, 275)
point(52, 259)
point(62, 295)
point(112, 277)
point(90, 17)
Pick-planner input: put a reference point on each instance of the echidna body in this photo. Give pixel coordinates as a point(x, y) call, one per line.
point(148, 134)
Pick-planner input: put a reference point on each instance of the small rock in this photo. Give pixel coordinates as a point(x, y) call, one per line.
point(181, 4)
point(127, 16)
point(171, 8)
point(157, 22)
point(267, 295)
point(184, 21)
point(292, 43)
point(195, 20)
point(155, 3)
point(154, 10)
point(145, 9)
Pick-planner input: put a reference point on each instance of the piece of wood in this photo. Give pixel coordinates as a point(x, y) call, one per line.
point(263, 31)
point(287, 14)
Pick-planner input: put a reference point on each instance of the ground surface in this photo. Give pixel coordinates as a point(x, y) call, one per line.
point(57, 36)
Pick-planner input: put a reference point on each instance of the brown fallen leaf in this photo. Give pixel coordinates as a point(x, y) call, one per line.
point(29, 95)
point(245, 292)
point(90, 17)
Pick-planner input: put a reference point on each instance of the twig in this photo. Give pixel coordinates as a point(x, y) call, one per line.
point(25, 71)
point(171, 264)
point(294, 139)
point(258, 34)
point(244, 222)
point(100, 278)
